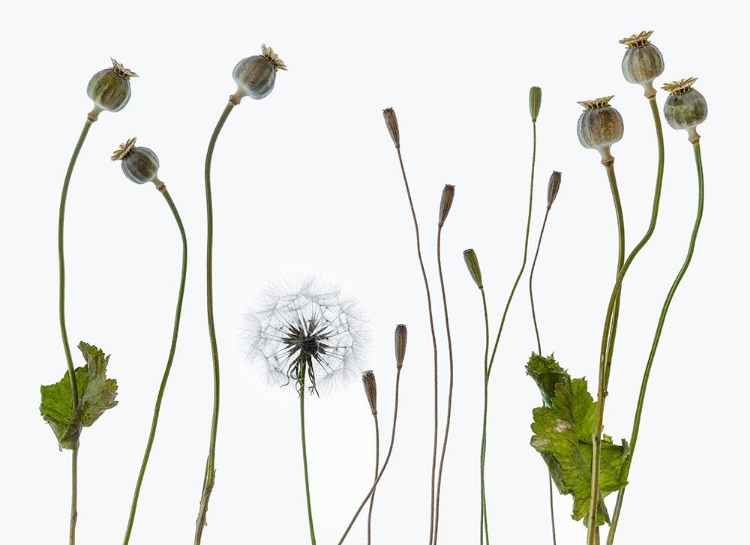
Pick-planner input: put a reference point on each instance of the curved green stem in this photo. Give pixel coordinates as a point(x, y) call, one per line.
point(63, 326)
point(531, 281)
point(657, 337)
point(525, 255)
point(304, 364)
point(167, 369)
point(385, 462)
point(605, 361)
point(208, 479)
point(484, 532)
point(449, 405)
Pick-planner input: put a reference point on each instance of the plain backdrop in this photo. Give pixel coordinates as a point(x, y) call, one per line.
point(306, 181)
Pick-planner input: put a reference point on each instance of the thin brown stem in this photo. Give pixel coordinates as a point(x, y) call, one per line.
point(434, 346)
point(385, 463)
point(377, 470)
point(450, 382)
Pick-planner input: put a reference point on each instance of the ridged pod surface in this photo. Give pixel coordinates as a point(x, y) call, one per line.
point(600, 126)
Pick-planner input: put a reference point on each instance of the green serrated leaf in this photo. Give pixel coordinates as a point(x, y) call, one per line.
point(96, 394)
point(562, 435)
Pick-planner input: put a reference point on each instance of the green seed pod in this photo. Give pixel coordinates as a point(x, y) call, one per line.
point(446, 201)
point(642, 62)
point(535, 102)
point(140, 165)
point(685, 107)
point(472, 263)
point(255, 76)
point(400, 343)
point(110, 89)
point(600, 126)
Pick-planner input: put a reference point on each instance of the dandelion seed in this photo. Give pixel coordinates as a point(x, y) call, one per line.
point(306, 334)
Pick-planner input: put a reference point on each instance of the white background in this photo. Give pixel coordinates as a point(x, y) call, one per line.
point(307, 181)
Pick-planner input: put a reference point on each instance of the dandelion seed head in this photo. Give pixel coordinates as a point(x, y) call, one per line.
point(312, 330)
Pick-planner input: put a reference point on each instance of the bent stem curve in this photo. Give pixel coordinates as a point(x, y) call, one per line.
point(167, 369)
point(208, 479)
point(63, 326)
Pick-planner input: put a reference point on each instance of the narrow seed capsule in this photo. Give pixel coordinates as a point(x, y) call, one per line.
point(600, 126)
point(371, 390)
point(400, 342)
point(553, 187)
point(643, 62)
point(139, 164)
point(109, 89)
point(472, 263)
point(255, 76)
point(392, 124)
point(445, 203)
point(685, 108)
point(535, 102)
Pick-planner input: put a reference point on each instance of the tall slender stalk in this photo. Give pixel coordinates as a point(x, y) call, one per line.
point(450, 381)
point(552, 189)
point(385, 462)
point(305, 362)
point(605, 360)
point(484, 532)
point(434, 345)
point(657, 337)
point(208, 479)
point(607, 345)
point(167, 369)
point(64, 329)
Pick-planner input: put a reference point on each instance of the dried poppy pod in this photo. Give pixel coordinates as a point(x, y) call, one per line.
point(600, 126)
point(139, 164)
point(642, 62)
point(255, 76)
point(110, 89)
point(685, 107)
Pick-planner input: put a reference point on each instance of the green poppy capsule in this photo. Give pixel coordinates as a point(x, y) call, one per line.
point(139, 164)
point(685, 108)
point(600, 126)
point(535, 102)
point(110, 89)
point(255, 76)
point(642, 62)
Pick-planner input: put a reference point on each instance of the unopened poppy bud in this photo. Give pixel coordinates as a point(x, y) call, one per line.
point(642, 62)
point(600, 126)
point(255, 76)
point(472, 263)
point(371, 390)
point(109, 89)
point(685, 108)
point(139, 164)
point(392, 124)
point(535, 102)
point(553, 187)
point(445, 203)
point(400, 343)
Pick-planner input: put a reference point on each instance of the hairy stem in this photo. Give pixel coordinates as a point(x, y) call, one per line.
point(605, 361)
point(167, 369)
point(208, 479)
point(657, 337)
point(64, 328)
